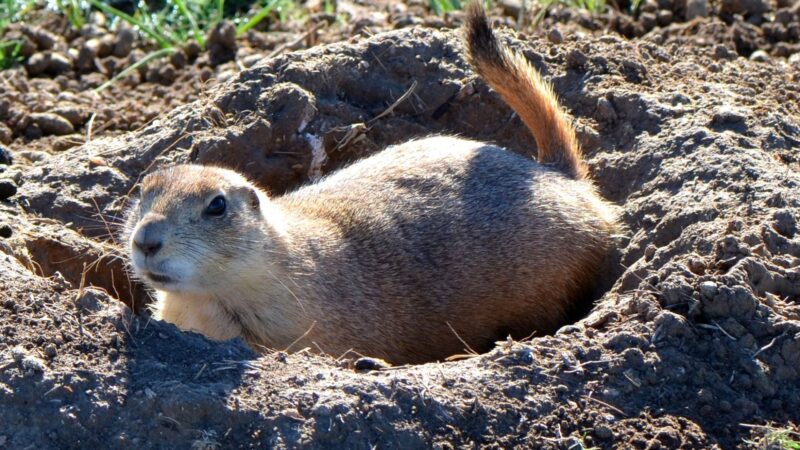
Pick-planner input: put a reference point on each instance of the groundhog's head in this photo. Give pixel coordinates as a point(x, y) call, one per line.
point(191, 226)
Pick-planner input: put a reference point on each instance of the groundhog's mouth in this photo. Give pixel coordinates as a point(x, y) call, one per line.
point(158, 278)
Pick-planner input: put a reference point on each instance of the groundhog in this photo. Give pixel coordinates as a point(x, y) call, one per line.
point(414, 254)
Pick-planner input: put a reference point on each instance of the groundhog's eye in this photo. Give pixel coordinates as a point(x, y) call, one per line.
point(216, 207)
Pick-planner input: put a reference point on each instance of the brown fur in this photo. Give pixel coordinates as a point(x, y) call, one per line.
point(389, 256)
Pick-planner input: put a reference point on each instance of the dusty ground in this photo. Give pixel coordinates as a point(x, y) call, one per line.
point(698, 336)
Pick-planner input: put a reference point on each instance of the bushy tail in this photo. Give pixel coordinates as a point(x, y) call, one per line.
point(524, 90)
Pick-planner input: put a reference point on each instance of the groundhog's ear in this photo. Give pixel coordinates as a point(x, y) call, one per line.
point(252, 195)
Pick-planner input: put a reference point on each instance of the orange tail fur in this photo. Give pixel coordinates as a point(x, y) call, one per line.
point(524, 90)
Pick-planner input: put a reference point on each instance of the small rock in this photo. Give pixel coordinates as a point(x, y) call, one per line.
point(648, 6)
point(124, 42)
point(223, 34)
point(33, 132)
point(744, 7)
point(59, 63)
point(7, 189)
point(664, 17)
point(554, 36)
point(759, 56)
point(50, 350)
point(633, 70)
point(576, 59)
point(206, 74)
point(708, 289)
point(649, 252)
point(192, 49)
point(52, 123)
point(648, 20)
point(368, 364)
point(251, 60)
point(511, 7)
point(5, 137)
point(725, 115)
point(605, 110)
point(603, 431)
point(106, 46)
point(784, 16)
point(71, 113)
point(178, 59)
point(87, 55)
point(6, 231)
point(167, 74)
point(696, 8)
point(44, 39)
point(29, 363)
point(723, 52)
point(37, 63)
point(222, 43)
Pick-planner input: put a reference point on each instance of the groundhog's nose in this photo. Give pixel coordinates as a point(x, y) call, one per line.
point(148, 237)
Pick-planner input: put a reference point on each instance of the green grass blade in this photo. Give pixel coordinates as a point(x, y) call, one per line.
point(150, 56)
point(257, 18)
point(198, 35)
point(110, 10)
point(220, 12)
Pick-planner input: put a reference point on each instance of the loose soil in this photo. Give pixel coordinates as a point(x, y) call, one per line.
point(695, 343)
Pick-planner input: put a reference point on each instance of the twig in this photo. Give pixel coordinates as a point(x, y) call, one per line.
point(395, 104)
point(301, 337)
point(613, 408)
point(291, 45)
point(468, 348)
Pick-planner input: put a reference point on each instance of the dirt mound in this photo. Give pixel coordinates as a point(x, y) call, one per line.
point(699, 334)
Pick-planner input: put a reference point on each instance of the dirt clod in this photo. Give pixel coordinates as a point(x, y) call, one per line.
point(7, 189)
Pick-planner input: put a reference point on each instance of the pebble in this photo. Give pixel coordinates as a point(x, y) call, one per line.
point(87, 54)
point(367, 364)
point(696, 8)
point(52, 123)
point(759, 56)
point(554, 36)
point(723, 52)
point(664, 17)
point(251, 60)
point(223, 34)
point(192, 49)
point(37, 63)
point(32, 131)
point(124, 42)
point(648, 21)
point(50, 350)
point(178, 59)
point(744, 7)
point(5, 136)
point(7, 189)
point(69, 112)
point(106, 46)
point(708, 289)
point(605, 110)
point(6, 231)
point(603, 431)
point(576, 59)
point(726, 114)
point(167, 74)
point(59, 63)
point(784, 16)
point(44, 39)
